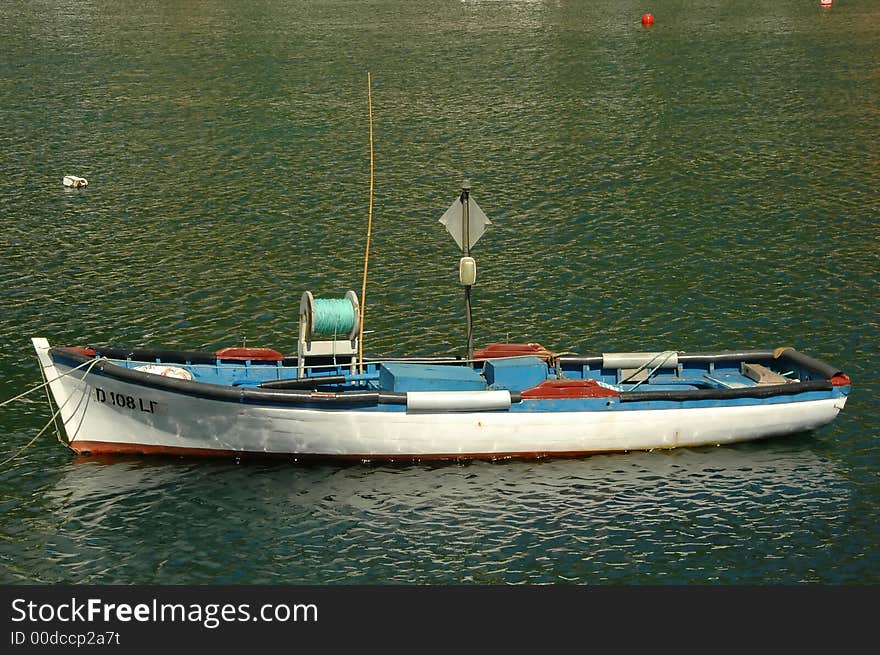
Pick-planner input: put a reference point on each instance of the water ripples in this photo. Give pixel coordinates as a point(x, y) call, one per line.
point(645, 517)
point(709, 183)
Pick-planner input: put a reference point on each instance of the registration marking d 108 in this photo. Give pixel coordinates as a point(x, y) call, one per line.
point(125, 401)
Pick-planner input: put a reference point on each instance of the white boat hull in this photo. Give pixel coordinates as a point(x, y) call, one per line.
point(112, 415)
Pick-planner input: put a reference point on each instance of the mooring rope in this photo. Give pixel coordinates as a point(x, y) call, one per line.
point(49, 401)
point(32, 441)
point(90, 364)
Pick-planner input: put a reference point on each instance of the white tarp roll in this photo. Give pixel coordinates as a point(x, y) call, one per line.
point(636, 360)
point(457, 401)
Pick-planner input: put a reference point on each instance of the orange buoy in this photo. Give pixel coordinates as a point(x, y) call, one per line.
point(648, 19)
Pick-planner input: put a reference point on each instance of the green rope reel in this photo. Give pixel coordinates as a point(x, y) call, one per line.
point(335, 317)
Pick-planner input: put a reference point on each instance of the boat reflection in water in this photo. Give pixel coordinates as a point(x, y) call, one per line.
point(673, 516)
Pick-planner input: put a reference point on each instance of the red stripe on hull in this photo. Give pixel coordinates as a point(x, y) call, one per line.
point(111, 448)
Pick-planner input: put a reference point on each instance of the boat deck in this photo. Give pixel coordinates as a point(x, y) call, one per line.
point(535, 376)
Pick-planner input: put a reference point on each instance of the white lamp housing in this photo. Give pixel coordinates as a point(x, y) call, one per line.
point(467, 271)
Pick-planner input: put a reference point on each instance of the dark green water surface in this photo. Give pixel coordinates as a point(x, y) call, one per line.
point(712, 182)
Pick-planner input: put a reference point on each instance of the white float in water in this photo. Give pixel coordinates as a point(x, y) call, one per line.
point(74, 181)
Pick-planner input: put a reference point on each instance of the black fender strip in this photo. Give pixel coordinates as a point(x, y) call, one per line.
point(148, 355)
point(762, 391)
point(810, 363)
point(302, 383)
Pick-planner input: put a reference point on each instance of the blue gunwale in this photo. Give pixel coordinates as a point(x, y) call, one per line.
point(333, 389)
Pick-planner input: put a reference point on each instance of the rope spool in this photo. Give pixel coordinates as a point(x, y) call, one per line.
point(330, 316)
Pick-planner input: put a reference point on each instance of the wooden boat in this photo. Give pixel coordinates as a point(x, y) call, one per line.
point(504, 400)
point(512, 400)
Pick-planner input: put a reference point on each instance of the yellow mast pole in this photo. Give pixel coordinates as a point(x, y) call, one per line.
point(363, 303)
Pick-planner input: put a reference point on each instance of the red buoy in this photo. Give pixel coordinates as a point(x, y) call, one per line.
point(648, 19)
point(826, 3)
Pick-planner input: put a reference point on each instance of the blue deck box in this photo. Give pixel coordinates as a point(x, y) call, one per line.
point(515, 373)
point(394, 376)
